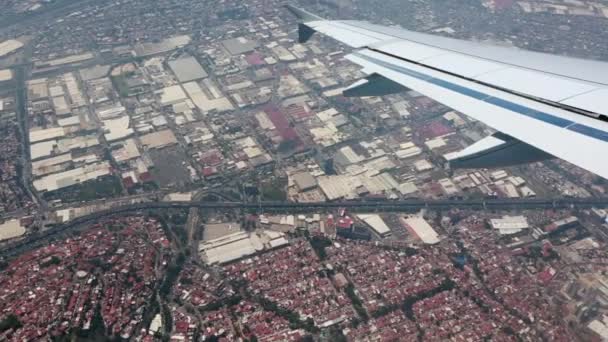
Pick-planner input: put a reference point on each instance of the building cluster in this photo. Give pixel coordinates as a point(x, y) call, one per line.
point(208, 107)
point(558, 7)
point(102, 279)
point(199, 288)
point(292, 277)
point(240, 244)
point(13, 193)
point(555, 26)
point(471, 290)
point(383, 278)
point(224, 315)
point(65, 150)
point(579, 8)
point(393, 326)
point(165, 104)
point(126, 98)
point(19, 7)
point(513, 286)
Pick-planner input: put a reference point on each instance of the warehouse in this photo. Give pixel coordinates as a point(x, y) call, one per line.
point(238, 245)
point(11, 229)
point(239, 46)
point(117, 129)
point(187, 69)
point(421, 228)
point(304, 181)
point(6, 75)
point(46, 134)
point(50, 165)
point(125, 151)
point(50, 147)
point(215, 101)
point(166, 45)
point(159, 139)
point(65, 179)
point(377, 225)
point(510, 224)
point(9, 46)
point(172, 95)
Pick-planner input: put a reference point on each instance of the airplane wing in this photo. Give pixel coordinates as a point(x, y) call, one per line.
point(544, 105)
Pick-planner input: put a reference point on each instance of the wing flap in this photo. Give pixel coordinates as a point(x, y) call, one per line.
point(536, 84)
point(593, 101)
point(465, 66)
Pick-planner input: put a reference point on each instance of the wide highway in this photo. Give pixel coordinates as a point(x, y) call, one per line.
point(300, 208)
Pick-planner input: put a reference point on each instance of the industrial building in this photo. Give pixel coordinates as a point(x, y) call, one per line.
point(238, 245)
point(117, 129)
point(9, 46)
point(510, 224)
point(239, 46)
point(158, 139)
point(422, 229)
point(568, 222)
point(125, 151)
point(11, 229)
point(79, 175)
point(187, 69)
point(207, 97)
point(377, 225)
point(39, 135)
point(172, 95)
point(304, 181)
point(6, 75)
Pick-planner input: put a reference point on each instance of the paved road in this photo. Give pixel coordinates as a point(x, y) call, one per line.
point(277, 207)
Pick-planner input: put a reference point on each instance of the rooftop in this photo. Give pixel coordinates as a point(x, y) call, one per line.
point(238, 245)
point(11, 229)
point(238, 46)
point(9, 46)
point(187, 69)
point(6, 75)
point(422, 229)
point(510, 224)
point(159, 139)
point(376, 223)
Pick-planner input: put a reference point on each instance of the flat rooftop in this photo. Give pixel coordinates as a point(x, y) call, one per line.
point(422, 229)
point(158, 139)
point(239, 46)
point(187, 69)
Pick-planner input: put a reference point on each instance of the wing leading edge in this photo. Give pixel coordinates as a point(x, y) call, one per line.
point(525, 95)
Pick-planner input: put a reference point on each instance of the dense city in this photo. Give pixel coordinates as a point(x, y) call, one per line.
point(147, 145)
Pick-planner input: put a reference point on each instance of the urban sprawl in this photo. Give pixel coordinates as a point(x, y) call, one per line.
point(110, 108)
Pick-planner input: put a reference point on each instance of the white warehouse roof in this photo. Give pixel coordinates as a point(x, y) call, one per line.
point(9, 46)
point(376, 223)
point(510, 224)
point(422, 229)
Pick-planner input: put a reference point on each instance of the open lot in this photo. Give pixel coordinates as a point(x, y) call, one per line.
point(170, 167)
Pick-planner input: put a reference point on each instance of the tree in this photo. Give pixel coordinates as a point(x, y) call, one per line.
point(287, 146)
point(10, 322)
